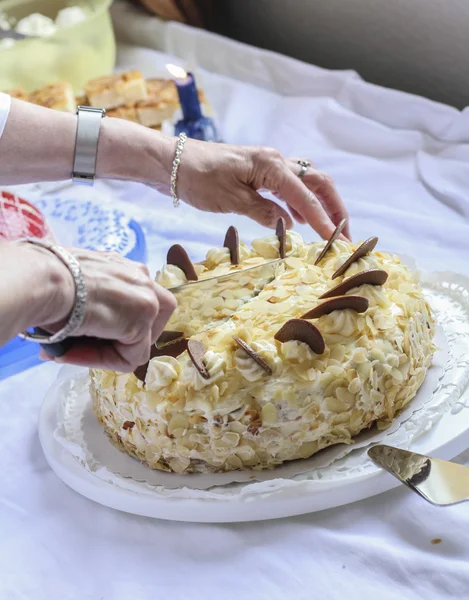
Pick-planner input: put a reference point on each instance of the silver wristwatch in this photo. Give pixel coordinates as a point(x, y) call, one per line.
point(86, 144)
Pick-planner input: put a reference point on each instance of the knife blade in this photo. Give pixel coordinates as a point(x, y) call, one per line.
point(440, 482)
point(251, 280)
point(245, 283)
point(237, 287)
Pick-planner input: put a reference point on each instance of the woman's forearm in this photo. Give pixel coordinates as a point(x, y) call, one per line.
point(38, 145)
point(35, 288)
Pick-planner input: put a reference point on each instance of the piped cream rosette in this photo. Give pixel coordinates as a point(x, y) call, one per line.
point(244, 416)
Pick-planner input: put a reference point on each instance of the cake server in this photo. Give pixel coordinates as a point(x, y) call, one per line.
point(260, 275)
point(440, 482)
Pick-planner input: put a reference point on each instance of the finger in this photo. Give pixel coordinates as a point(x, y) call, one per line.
point(99, 355)
point(299, 197)
point(323, 186)
point(297, 160)
point(264, 211)
point(296, 215)
point(167, 303)
point(135, 354)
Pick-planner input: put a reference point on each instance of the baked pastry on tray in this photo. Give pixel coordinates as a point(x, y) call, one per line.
point(273, 370)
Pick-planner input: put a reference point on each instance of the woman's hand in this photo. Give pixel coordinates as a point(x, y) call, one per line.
point(212, 177)
point(221, 177)
point(126, 310)
point(227, 179)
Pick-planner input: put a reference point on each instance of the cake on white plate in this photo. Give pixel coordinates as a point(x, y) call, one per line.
point(273, 370)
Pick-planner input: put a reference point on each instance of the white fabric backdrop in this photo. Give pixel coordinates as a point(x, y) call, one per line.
point(402, 164)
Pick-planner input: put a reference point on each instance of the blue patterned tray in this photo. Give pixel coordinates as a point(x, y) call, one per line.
point(80, 223)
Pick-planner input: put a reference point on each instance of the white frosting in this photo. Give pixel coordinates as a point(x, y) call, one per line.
point(362, 264)
point(171, 276)
point(342, 322)
point(221, 256)
point(298, 352)
point(247, 366)
point(244, 252)
point(338, 247)
point(216, 257)
point(375, 295)
point(293, 242)
point(215, 364)
point(162, 371)
point(269, 246)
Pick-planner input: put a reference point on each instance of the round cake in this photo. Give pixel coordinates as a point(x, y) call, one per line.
point(313, 344)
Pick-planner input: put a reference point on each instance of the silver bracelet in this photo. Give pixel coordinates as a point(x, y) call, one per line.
point(176, 162)
point(78, 311)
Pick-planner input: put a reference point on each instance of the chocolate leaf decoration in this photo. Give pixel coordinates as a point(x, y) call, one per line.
point(178, 257)
point(281, 232)
point(232, 243)
point(302, 331)
point(173, 349)
point(364, 249)
point(253, 354)
point(356, 303)
point(330, 241)
point(371, 277)
point(196, 352)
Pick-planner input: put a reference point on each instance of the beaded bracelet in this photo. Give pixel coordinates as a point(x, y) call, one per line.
point(176, 162)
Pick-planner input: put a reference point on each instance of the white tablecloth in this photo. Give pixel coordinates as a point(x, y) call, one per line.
point(402, 164)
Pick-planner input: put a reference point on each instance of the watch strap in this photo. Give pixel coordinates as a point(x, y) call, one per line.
point(86, 144)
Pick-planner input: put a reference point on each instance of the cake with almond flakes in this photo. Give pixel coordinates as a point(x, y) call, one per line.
point(298, 355)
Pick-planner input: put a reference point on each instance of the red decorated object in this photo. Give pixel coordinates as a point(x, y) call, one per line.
point(19, 219)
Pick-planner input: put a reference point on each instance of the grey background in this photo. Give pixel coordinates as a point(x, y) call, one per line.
point(419, 46)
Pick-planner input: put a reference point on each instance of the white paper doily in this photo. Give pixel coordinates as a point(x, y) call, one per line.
point(79, 432)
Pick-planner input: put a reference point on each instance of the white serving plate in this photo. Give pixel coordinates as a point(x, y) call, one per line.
point(440, 428)
point(447, 439)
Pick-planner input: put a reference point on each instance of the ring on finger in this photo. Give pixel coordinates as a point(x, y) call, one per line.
point(304, 164)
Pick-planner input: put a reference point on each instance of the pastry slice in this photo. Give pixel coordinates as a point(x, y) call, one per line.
point(161, 103)
point(116, 90)
point(58, 96)
point(81, 99)
point(128, 113)
point(17, 93)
